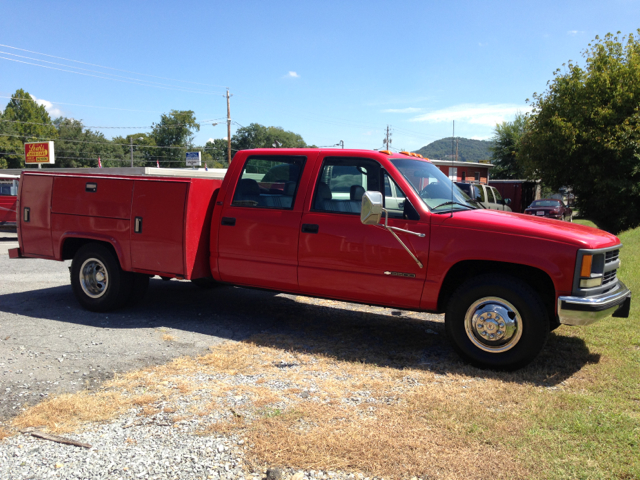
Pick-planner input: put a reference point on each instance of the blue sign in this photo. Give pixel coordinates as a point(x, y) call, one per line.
point(194, 159)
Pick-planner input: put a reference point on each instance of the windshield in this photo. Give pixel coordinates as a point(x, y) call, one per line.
point(439, 193)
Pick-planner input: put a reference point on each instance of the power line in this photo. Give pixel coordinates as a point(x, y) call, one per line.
point(110, 68)
point(106, 142)
point(87, 106)
point(108, 78)
point(93, 126)
point(147, 83)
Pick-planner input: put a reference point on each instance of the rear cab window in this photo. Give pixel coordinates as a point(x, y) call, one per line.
point(269, 181)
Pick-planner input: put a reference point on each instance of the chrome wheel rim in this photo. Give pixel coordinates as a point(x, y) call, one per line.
point(493, 324)
point(94, 278)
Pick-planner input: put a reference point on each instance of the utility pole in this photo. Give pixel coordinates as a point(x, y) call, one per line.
point(387, 140)
point(457, 141)
point(341, 143)
point(228, 128)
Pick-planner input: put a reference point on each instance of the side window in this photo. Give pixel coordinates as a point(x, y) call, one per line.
point(483, 197)
point(269, 182)
point(497, 195)
point(394, 197)
point(342, 182)
point(490, 197)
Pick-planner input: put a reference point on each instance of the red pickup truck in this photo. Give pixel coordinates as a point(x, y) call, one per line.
point(363, 226)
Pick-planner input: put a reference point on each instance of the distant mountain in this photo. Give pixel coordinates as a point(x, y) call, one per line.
point(468, 150)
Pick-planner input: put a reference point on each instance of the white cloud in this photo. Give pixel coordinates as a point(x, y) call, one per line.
point(292, 75)
point(53, 111)
point(479, 114)
point(573, 33)
point(402, 110)
point(482, 44)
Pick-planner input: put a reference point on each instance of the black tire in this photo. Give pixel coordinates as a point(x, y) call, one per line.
point(206, 282)
point(138, 289)
point(476, 324)
point(98, 282)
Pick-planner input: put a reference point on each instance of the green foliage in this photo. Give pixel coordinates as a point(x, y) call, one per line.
point(26, 119)
point(215, 153)
point(259, 136)
point(468, 150)
point(174, 130)
point(77, 146)
point(585, 132)
point(140, 143)
point(506, 144)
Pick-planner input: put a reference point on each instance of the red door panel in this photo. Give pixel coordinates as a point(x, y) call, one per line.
point(348, 260)
point(261, 248)
point(35, 234)
point(158, 247)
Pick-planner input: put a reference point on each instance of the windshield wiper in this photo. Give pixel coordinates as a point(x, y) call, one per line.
point(454, 203)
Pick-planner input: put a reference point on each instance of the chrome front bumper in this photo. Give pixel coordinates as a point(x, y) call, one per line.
point(580, 311)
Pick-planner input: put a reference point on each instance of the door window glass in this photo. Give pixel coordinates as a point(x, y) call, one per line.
point(269, 182)
point(343, 181)
point(394, 197)
point(497, 194)
point(483, 198)
point(490, 195)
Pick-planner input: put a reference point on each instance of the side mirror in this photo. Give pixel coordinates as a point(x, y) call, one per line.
point(371, 211)
point(507, 201)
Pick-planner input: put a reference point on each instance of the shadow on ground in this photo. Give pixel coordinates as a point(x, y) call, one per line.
point(354, 333)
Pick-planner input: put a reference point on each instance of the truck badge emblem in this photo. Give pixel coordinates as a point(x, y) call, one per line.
point(400, 274)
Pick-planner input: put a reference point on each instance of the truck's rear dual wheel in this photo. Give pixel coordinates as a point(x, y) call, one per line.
point(98, 282)
point(497, 321)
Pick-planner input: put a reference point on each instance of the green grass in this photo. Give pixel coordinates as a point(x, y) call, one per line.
point(582, 221)
point(591, 429)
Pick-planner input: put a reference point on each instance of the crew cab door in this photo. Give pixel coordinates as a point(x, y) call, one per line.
point(260, 224)
point(339, 257)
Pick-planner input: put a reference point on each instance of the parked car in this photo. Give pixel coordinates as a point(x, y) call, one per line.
point(488, 197)
point(551, 208)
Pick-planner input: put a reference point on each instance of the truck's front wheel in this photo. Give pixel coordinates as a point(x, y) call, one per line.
point(497, 321)
point(98, 282)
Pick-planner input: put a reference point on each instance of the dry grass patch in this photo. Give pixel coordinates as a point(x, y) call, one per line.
point(3, 434)
point(67, 412)
point(167, 337)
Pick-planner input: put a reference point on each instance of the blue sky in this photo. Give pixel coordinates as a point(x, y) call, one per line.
point(327, 70)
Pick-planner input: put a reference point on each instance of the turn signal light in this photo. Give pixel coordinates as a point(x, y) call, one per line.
point(585, 270)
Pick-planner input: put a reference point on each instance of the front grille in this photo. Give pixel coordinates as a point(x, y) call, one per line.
point(611, 256)
point(609, 277)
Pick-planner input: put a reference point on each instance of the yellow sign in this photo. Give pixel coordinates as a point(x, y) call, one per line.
point(39, 152)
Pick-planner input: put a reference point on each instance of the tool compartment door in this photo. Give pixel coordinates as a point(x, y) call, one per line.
point(157, 226)
point(35, 215)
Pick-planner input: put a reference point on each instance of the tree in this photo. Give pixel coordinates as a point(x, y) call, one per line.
point(78, 146)
point(175, 130)
point(23, 120)
point(259, 136)
point(143, 153)
point(585, 132)
point(505, 149)
point(215, 153)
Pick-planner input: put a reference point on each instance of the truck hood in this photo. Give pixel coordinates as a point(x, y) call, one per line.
point(531, 226)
